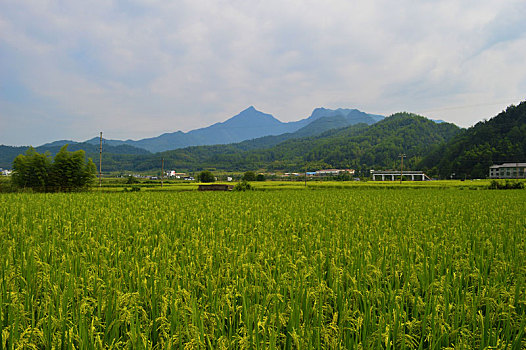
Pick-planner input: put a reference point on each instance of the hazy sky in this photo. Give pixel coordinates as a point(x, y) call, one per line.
point(133, 69)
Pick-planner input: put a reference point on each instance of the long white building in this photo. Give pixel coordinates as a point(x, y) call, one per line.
point(508, 171)
point(392, 175)
point(329, 172)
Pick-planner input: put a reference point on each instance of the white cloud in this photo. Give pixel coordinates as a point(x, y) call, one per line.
point(137, 69)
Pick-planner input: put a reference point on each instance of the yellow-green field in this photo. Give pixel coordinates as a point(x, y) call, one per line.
point(327, 268)
point(117, 185)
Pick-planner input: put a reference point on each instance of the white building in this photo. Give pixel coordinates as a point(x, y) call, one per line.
point(172, 173)
point(333, 172)
point(508, 171)
point(6, 172)
point(392, 175)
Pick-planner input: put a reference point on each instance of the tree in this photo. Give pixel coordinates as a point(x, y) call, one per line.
point(131, 180)
point(31, 170)
point(249, 176)
point(260, 177)
point(344, 176)
point(243, 186)
point(206, 176)
point(67, 172)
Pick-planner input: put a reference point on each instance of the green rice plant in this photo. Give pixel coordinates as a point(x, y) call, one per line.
point(357, 269)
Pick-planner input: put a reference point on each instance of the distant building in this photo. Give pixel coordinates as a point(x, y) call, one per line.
point(391, 175)
point(6, 172)
point(172, 173)
point(333, 172)
point(508, 171)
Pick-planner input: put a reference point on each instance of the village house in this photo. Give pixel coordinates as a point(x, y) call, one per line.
point(333, 172)
point(508, 171)
point(173, 174)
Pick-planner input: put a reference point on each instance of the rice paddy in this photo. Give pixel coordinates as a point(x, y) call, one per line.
point(326, 268)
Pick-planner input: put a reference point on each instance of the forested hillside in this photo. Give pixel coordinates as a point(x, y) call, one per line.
point(471, 153)
point(360, 146)
point(380, 144)
point(8, 153)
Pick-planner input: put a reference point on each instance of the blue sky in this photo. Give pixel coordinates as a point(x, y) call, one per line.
point(133, 69)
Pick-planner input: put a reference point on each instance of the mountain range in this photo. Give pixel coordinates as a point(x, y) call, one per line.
point(359, 146)
point(248, 124)
point(328, 138)
point(440, 149)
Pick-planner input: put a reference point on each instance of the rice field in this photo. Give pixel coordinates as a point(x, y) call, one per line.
point(117, 185)
point(326, 268)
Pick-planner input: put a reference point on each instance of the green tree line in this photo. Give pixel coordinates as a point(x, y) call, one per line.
point(67, 171)
point(470, 153)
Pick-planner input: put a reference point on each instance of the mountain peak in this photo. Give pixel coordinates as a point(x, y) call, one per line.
point(250, 109)
point(251, 114)
point(247, 124)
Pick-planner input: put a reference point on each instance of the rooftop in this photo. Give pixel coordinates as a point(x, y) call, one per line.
point(508, 165)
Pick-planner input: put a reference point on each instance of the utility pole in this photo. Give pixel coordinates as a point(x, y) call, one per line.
point(162, 171)
point(305, 174)
point(402, 156)
point(100, 161)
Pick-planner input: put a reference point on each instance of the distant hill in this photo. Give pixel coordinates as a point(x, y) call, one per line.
point(375, 146)
point(354, 116)
point(58, 143)
point(318, 144)
point(9, 153)
point(319, 125)
point(358, 146)
point(248, 124)
point(337, 120)
point(470, 153)
point(328, 138)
